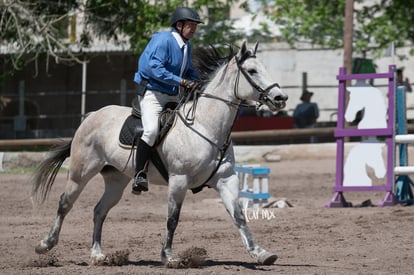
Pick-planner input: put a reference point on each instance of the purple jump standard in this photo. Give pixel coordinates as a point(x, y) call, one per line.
point(341, 133)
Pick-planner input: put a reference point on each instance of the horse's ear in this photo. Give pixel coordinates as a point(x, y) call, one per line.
point(255, 47)
point(243, 48)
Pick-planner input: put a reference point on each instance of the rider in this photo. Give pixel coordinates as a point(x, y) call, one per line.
point(163, 67)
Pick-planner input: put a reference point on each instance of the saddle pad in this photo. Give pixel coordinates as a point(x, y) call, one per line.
point(130, 131)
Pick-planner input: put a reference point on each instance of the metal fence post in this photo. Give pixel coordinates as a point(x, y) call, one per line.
point(20, 119)
point(123, 92)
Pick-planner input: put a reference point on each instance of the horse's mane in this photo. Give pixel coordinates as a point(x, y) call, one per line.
point(207, 60)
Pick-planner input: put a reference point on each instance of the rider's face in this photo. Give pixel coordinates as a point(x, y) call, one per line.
point(187, 29)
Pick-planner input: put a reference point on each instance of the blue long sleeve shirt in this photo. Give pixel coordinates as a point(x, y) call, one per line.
point(160, 63)
point(305, 114)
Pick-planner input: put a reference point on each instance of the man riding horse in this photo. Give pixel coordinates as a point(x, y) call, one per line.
point(163, 67)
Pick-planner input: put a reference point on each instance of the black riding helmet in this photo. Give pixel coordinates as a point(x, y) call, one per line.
point(183, 14)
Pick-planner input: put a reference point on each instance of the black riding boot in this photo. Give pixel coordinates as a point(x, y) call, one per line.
point(142, 155)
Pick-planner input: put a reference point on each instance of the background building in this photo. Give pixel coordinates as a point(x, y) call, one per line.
point(55, 101)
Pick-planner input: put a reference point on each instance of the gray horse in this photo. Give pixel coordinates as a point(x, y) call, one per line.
point(197, 151)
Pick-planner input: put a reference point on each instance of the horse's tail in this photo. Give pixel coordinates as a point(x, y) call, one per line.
point(46, 172)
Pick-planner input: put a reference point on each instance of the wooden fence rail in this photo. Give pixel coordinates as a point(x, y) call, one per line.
point(31, 144)
point(237, 137)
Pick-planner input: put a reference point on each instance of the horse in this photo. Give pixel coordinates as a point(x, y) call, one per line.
point(197, 151)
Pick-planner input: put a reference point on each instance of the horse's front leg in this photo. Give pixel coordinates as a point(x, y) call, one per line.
point(176, 195)
point(229, 192)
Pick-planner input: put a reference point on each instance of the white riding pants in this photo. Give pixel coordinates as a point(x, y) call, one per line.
point(152, 105)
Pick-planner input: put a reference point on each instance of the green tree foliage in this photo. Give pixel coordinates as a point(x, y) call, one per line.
point(29, 29)
point(138, 20)
point(33, 29)
point(321, 22)
point(121, 20)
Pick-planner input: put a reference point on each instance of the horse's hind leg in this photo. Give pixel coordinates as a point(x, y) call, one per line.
point(79, 175)
point(67, 199)
point(229, 192)
point(115, 183)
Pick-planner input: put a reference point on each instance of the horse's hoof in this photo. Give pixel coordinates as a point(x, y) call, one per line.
point(165, 257)
point(168, 262)
point(266, 258)
point(99, 260)
point(42, 248)
point(172, 263)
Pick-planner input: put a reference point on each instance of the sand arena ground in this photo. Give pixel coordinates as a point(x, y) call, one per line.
point(308, 238)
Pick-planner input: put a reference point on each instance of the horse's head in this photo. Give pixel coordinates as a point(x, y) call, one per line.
point(355, 104)
point(368, 101)
point(264, 90)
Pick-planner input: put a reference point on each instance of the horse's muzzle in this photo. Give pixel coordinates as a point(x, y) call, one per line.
point(279, 102)
point(275, 105)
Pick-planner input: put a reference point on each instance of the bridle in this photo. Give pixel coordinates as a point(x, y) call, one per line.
point(189, 118)
point(263, 97)
point(263, 92)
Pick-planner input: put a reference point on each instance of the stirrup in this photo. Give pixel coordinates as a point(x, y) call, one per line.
point(140, 183)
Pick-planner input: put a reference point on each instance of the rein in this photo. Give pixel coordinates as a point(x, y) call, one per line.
point(188, 120)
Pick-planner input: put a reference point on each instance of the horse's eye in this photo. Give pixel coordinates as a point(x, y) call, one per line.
point(252, 71)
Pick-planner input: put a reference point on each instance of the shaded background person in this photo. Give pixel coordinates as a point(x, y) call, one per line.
point(305, 113)
point(403, 82)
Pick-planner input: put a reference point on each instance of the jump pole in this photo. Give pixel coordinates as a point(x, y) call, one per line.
point(341, 132)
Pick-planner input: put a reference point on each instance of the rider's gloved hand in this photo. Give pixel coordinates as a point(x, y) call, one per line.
point(188, 84)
